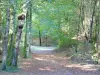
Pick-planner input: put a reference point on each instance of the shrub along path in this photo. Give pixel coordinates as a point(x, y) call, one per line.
point(50, 63)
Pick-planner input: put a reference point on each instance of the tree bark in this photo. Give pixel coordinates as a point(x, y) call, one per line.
point(26, 38)
point(46, 38)
point(29, 24)
point(12, 42)
point(16, 50)
point(18, 38)
point(40, 40)
point(5, 39)
point(91, 22)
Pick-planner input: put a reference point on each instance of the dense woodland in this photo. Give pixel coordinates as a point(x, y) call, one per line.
point(72, 26)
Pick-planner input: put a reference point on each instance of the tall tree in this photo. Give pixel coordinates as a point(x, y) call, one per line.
point(21, 19)
point(92, 19)
point(29, 23)
point(26, 38)
point(40, 38)
point(5, 39)
point(12, 35)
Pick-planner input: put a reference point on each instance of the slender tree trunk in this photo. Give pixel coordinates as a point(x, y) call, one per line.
point(40, 40)
point(25, 46)
point(0, 18)
point(30, 25)
point(18, 38)
point(14, 31)
point(12, 42)
point(97, 20)
point(46, 38)
point(97, 32)
point(29, 18)
point(26, 38)
point(10, 48)
point(92, 20)
point(19, 32)
point(82, 15)
point(5, 40)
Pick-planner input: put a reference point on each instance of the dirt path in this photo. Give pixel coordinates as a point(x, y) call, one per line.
point(50, 64)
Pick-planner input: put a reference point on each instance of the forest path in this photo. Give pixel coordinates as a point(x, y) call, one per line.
point(45, 61)
point(49, 63)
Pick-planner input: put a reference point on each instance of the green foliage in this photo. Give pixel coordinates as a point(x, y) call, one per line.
point(67, 42)
point(54, 17)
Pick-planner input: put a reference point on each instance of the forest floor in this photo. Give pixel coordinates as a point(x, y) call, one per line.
point(51, 63)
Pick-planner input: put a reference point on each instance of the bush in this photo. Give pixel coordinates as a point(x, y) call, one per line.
point(67, 42)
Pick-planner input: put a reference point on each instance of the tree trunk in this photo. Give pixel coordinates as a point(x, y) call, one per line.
point(46, 38)
point(91, 22)
point(18, 38)
point(97, 20)
point(5, 40)
point(29, 18)
point(10, 50)
point(26, 38)
point(12, 42)
point(16, 50)
point(40, 40)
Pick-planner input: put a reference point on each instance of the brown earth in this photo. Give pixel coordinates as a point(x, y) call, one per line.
point(52, 64)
